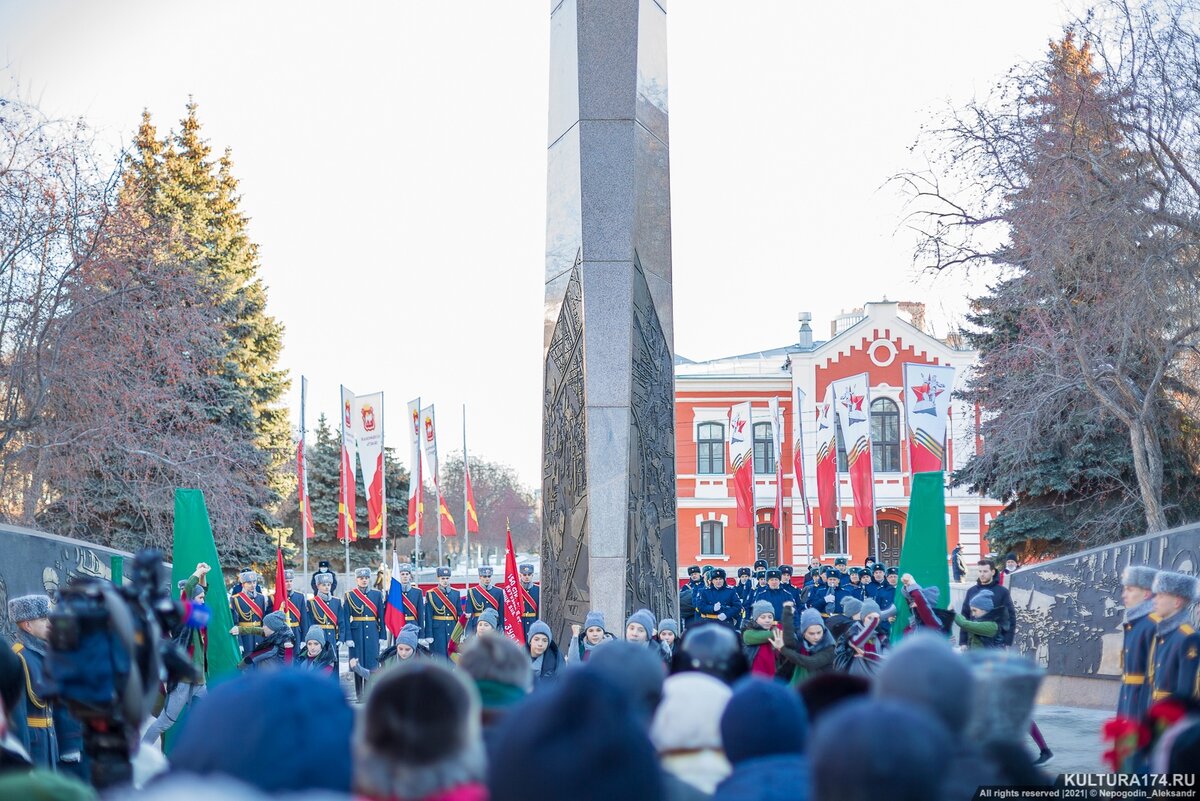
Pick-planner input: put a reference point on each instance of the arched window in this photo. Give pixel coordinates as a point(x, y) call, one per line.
point(885, 435)
point(764, 450)
point(712, 538)
point(710, 449)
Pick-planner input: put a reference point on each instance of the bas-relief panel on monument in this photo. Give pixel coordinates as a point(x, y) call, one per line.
point(564, 474)
point(650, 571)
point(1069, 609)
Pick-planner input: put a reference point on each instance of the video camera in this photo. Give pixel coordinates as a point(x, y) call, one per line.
point(108, 655)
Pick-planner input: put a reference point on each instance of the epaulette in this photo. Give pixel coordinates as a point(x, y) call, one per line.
point(1186, 628)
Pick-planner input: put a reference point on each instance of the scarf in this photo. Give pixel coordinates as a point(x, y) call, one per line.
point(1138, 611)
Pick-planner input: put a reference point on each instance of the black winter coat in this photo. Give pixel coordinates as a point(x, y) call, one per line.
point(553, 664)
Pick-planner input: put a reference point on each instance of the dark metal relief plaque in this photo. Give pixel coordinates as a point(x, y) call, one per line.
point(1069, 609)
point(650, 566)
point(564, 585)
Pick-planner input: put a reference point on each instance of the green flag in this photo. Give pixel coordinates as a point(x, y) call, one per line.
point(194, 544)
point(118, 569)
point(924, 553)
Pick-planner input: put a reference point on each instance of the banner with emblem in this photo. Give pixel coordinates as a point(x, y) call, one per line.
point(852, 401)
point(798, 454)
point(368, 433)
point(827, 489)
point(415, 504)
point(429, 437)
point(777, 446)
point(927, 412)
point(347, 475)
point(741, 457)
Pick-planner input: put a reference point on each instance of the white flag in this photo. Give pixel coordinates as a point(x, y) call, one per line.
point(368, 431)
point(927, 410)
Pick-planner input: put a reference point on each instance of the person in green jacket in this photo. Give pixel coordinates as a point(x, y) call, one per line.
point(983, 628)
point(195, 640)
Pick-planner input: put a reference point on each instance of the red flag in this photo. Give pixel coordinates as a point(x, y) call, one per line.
point(306, 518)
point(347, 475)
point(281, 598)
point(741, 456)
point(472, 518)
point(512, 594)
point(447, 521)
point(798, 452)
point(853, 398)
point(827, 495)
point(777, 447)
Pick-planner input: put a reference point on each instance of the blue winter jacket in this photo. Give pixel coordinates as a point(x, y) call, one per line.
point(761, 779)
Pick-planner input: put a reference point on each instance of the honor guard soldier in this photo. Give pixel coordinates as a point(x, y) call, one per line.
point(325, 611)
point(248, 608)
point(362, 624)
point(531, 598)
point(745, 587)
point(484, 596)
point(1175, 651)
point(441, 613)
point(293, 608)
point(774, 594)
point(1137, 595)
point(760, 582)
point(414, 605)
point(760, 564)
point(323, 569)
point(720, 602)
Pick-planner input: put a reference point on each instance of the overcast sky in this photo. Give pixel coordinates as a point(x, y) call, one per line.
point(392, 158)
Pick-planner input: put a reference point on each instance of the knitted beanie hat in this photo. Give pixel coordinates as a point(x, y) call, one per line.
point(540, 627)
point(315, 633)
point(198, 591)
point(407, 637)
point(761, 608)
point(851, 606)
point(490, 617)
point(810, 617)
point(667, 624)
point(983, 601)
point(869, 607)
point(645, 619)
point(595, 618)
point(276, 622)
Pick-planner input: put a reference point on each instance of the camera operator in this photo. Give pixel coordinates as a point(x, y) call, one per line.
point(53, 738)
point(193, 639)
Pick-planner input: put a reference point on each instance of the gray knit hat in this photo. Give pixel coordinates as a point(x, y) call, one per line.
point(362, 572)
point(869, 607)
point(932, 594)
point(1181, 585)
point(315, 633)
point(540, 627)
point(247, 576)
point(645, 619)
point(761, 608)
point(851, 606)
point(667, 624)
point(490, 617)
point(407, 637)
point(983, 601)
point(276, 622)
point(28, 607)
point(810, 617)
point(324, 578)
point(198, 590)
point(594, 618)
point(1138, 576)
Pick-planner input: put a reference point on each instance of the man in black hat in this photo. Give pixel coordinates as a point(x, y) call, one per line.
point(854, 589)
point(828, 600)
point(774, 594)
point(323, 568)
point(842, 566)
point(484, 596)
point(531, 598)
point(325, 611)
point(362, 622)
point(785, 581)
point(720, 602)
point(760, 564)
point(745, 587)
point(688, 594)
point(441, 613)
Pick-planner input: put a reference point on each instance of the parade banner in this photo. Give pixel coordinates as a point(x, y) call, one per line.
point(429, 433)
point(923, 553)
point(927, 411)
point(827, 490)
point(281, 601)
point(472, 517)
point(368, 433)
point(513, 628)
point(852, 398)
point(798, 454)
point(347, 476)
point(741, 456)
point(308, 528)
point(393, 614)
point(777, 446)
point(415, 505)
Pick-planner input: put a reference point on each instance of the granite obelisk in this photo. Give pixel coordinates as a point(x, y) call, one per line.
point(608, 428)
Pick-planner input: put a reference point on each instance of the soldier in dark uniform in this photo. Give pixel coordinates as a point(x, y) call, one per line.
point(842, 566)
point(531, 599)
point(325, 611)
point(854, 588)
point(774, 594)
point(878, 580)
point(323, 568)
point(1175, 650)
point(760, 582)
point(885, 597)
point(361, 624)
point(720, 602)
point(484, 596)
point(441, 613)
point(248, 608)
point(814, 585)
point(687, 595)
point(414, 604)
point(1137, 595)
point(745, 587)
point(785, 581)
point(828, 600)
point(293, 609)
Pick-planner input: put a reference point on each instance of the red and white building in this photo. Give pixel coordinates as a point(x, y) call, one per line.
point(878, 340)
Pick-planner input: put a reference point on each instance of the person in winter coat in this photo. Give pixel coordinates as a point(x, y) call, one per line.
point(922, 606)
point(958, 568)
point(640, 628)
point(668, 638)
point(406, 648)
point(1175, 652)
point(761, 639)
point(719, 602)
point(1000, 600)
point(686, 730)
point(1001, 713)
point(419, 739)
point(587, 637)
point(193, 638)
point(764, 732)
point(275, 641)
point(860, 650)
point(811, 652)
point(547, 662)
point(316, 655)
point(1137, 595)
point(982, 629)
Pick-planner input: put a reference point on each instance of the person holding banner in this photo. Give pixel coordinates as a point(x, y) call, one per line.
point(530, 598)
point(441, 613)
point(484, 596)
point(362, 624)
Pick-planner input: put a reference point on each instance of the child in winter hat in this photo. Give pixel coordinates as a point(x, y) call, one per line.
point(640, 626)
point(862, 647)
point(588, 636)
point(762, 638)
point(811, 652)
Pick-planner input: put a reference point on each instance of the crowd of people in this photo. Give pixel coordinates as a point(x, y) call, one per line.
point(764, 688)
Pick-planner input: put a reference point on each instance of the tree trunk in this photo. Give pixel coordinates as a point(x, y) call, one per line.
point(1148, 465)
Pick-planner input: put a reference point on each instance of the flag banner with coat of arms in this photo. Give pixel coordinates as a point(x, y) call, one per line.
point(827, 490)
point(927, 391)
point(368, 433)
point(798, 454)
point(741, 457)
point(777, 446)
point(429, 437)
point(415, 504)
point(347, 474)
point(852, 400)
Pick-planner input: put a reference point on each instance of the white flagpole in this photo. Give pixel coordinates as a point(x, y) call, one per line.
point(342, 474)
point(383, 510)
point(302, 475)
point(466, 519)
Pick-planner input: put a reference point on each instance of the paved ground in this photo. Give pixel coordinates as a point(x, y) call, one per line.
point(1074, 736)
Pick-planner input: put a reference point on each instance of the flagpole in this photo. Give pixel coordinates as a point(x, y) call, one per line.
point(383, 551)
point(415, 474)
point(342, 482)
point(466, 519)
point(303, 489)
point(438, 493)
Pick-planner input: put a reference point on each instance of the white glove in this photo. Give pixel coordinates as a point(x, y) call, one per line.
point(73, 756)
point(350, 645)
point(721, 616)
point(717, 606)
point(829, 599)
point(426, 641)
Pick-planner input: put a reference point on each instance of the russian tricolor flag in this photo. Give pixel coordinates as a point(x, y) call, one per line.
point(393, 616)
